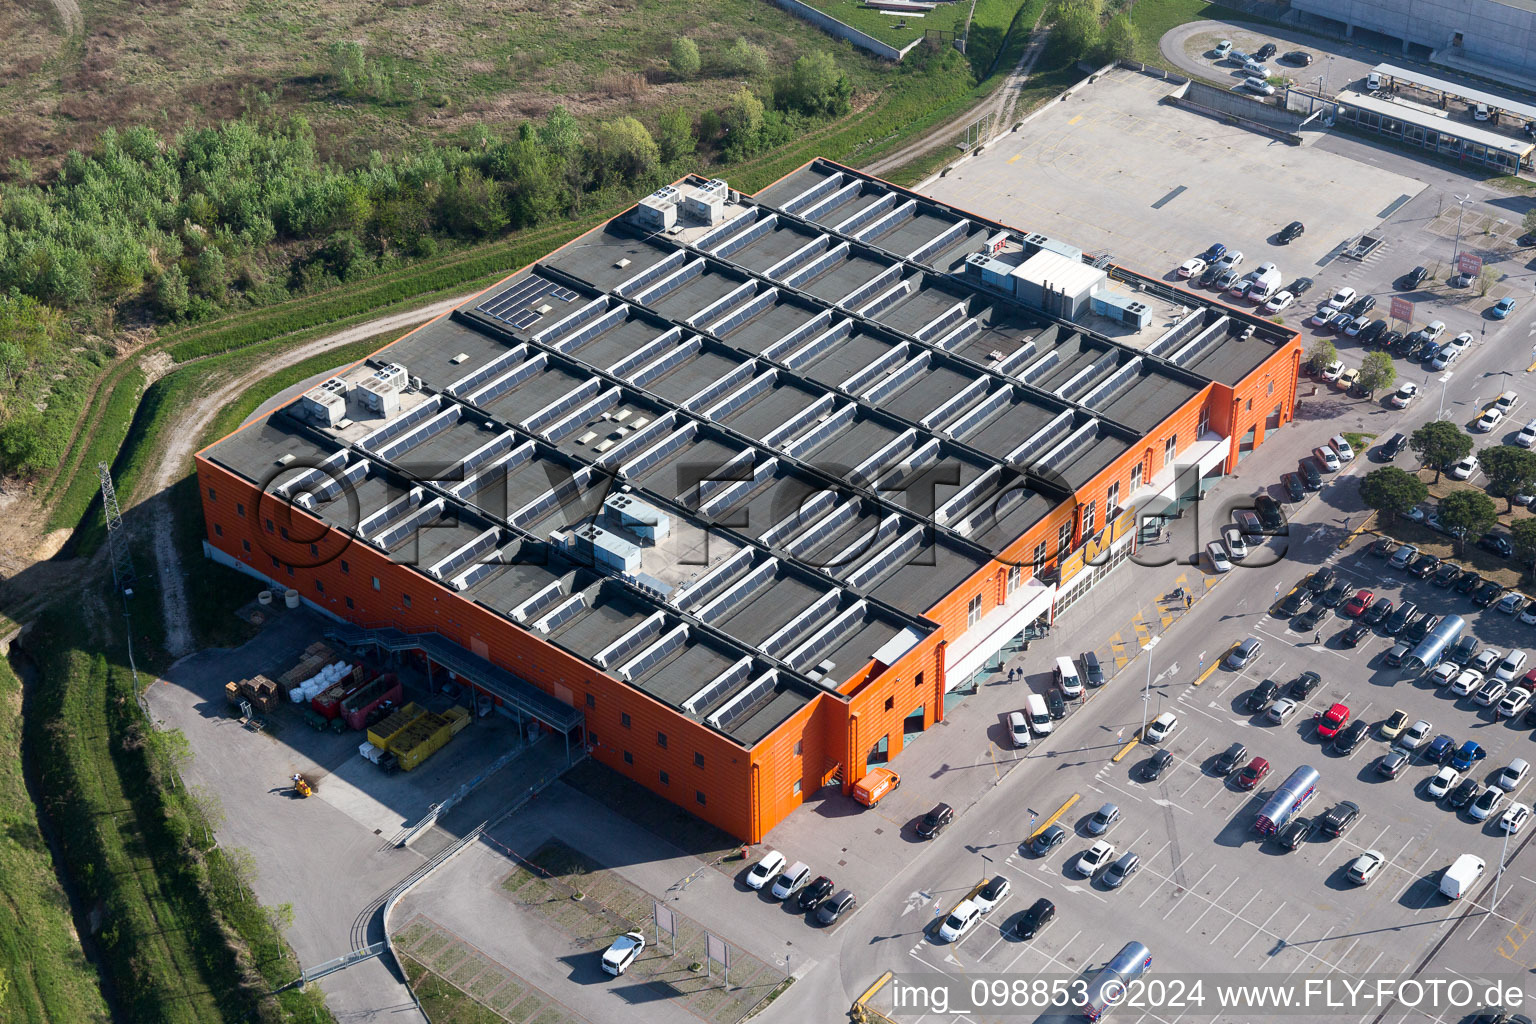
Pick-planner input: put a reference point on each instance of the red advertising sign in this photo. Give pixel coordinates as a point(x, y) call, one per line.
point(1469, 263)
point(1402, 309)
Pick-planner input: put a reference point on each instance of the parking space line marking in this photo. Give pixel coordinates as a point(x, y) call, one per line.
point(1209, 904)
point(1238, 916)
point(1257, 932)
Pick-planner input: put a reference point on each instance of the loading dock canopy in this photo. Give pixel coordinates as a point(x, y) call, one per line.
point(1429, 83)
point(1417, 115)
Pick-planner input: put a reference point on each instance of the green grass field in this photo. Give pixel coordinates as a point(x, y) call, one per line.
point(44, 976)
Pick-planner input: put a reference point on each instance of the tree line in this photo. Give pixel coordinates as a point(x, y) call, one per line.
point(159, 229)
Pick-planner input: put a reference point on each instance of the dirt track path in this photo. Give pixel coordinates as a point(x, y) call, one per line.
point(1000, 104)
point(69, 14)
point(185, 434)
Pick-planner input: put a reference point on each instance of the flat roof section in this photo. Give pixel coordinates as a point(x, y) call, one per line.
point(1092, 457)
point(931, 574)
point(509, 586)
point(437, 539)
point(442, 352)
point(950, 258)
point(759, 617)
point(1233, 359)
point(783, 496)
point(771, 409)
point(608, 255)
point(793, 184)
point(1444, 125)
point(925, 304)
point(774, 245)
point(840, 280)
point(841, 361)
point(606, 348)
point(693, 375)
point(840, 210)
point(1010, 427)
point(696, 294)
point(677, 476)
point(1152, 398)
point(675, 679)
point(1431, 83)
point(773, 324)
point(611, 612)
point(533, 394)
point(912, 233)
point(928, 391)
point(1003, 332)
point(850, 446)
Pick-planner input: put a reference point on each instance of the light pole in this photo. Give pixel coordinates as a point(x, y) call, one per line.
point(1445, 379)
point(1500, 875)
point(1146, 693)
point(985, 860)
point(1461, 209)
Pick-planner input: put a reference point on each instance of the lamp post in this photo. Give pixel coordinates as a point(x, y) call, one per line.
point(1461, 209)
point(1146, 693)
point(1500, 875)
point(1444, 380)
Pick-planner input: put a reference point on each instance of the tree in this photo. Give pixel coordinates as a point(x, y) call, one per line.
point(685, 57)
point(1523, 534)
point(1321, 354)
point(1529, 222)
point(1074, 28)
point(746, 58)
point(171, 293)
point(816, 86)
point(1510, 470)
point(742, 121)
point(1440, 443)
point(624, 148)
point(1467, 513)
point(674, 135)
point(1391, 491)
point(1377, 372)
point(559, 134)
point(1120, 39)
point(470, 205)
point(208, 276)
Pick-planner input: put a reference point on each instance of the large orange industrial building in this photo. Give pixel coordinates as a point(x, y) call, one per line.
point(736, 489)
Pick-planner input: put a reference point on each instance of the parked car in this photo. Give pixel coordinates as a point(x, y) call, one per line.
point(1464, 469)
point(1095, 857)
point(1347, 740)
point(1463, 794)
point(1395, 723)
point(1193, 267)
point(1294, 229)
point(622, 952)
point(1296, 832)
point(1259, 698)
point(1279, 302)
point(1415, 736)
point(1300, 58)
point(815, 893)
point(1295, 490)
point(1252, 773)
point(1103, 819)
point(1512, 774)
point(1303, 685)
point(1392, 763)
point(1500, 544)
point(1161, 727)
point(1414, 278)
point(1503, 308)
point(1033, 921)
point(835, 907)
point(1311, 476)
point(1357, 605)
point(1331, 721)
point(1442, 782)
point(1048, 840)
point(1266, 51)
point(1301, 286)
point(1291, 603)
point(1341, 817)
point(1402, 396)
point(1227, 761)
point(1281, 711)
point(1158, 763)
point(1121, 870)
point(1466, 755)
point(1243, 653)
point(1271, 515)
point(992, 893)
point(768, 866)
point(1366, 867)
point(1486, 804)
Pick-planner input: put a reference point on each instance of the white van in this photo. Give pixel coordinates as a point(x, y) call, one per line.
point(1067, 678)
point(1039, 717)
point(1459, 878)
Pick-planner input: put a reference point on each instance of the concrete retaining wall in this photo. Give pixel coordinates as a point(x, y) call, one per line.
point(1238, 109)
point(833, 27)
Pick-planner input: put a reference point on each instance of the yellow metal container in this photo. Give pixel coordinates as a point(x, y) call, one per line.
point(428, 745)
point(458, 718)
point(391, 726)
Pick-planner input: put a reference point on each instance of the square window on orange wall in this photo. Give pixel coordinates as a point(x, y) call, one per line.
point(890, 703)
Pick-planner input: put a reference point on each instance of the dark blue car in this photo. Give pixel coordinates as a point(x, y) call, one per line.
point(1466, 755)
point(1214, 253)
point(1439, 748)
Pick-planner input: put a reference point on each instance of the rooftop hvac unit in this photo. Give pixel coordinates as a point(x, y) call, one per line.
point(415, 383)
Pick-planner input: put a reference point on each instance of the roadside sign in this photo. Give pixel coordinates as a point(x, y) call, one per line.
point(1402, 309)
point(1469, 263)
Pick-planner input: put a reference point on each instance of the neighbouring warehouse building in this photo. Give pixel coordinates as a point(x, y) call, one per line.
point(742, 487)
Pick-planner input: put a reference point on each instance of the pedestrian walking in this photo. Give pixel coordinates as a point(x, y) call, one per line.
point(1188, 601)
point(1317, 637)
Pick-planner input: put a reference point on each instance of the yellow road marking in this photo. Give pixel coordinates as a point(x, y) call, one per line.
point(869, 993)
point(1121, 661)
point(1125, 750)
point(1528, 369)
point(1207, 673)
point(1015, 158)
point(1181, 579)
point(1364, 525)
point(1076, 119)
point(1514, 943)
point(1116, 638)
point(1063, 809)
point(1166, 620)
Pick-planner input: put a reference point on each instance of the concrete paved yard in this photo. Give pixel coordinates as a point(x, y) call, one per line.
point(1113, 168)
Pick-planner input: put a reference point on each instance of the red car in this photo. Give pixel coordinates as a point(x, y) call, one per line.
point(1528, 680)
point(1357, 605)
point(1331, 721)
point(1252, 772)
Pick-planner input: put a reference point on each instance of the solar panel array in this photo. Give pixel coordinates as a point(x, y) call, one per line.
point(742, 703)
point(515, 306)
point(631, 641)
point(718, 687)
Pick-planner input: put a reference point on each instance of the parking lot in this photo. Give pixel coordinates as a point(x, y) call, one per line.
point(1166, 183)
point(1210, 895)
